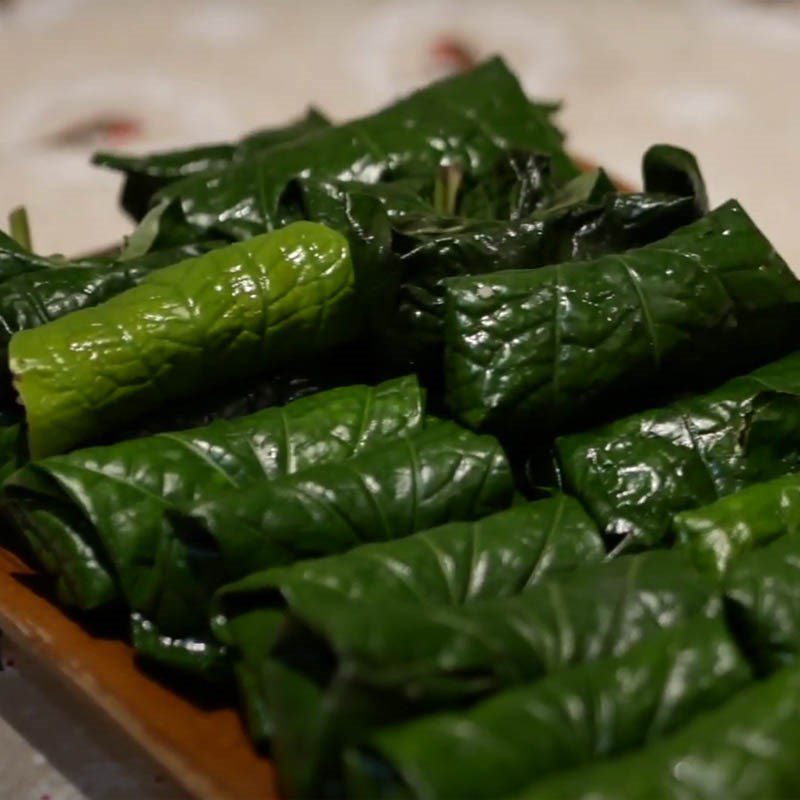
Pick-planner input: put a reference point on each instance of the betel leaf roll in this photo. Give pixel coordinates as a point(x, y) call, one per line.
point(718, 534)
point(762, 594)
point(537, 352)
point(433, 249)
point(236, 311)
point(457, 563)
point(35, 298)
point(469, 118)
point(77, 509)
point(145, 175)
point(634, 474)
point(561, 722)
point(439, 474)
point(341, 667)
point(744, 750)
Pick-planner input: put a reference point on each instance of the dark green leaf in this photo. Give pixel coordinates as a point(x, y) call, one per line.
point(533, 352)
point(342, 667)
point(457, 563)
point(717, 535)
point(744, 750)
point(762, 590)
point(634, 474)
point(566, 720)
point(675, 171)
point(95, 517)
point(145, 175)
point(467, 119)
point(431, 250)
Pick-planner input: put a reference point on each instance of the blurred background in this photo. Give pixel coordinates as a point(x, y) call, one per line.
point(717, 76)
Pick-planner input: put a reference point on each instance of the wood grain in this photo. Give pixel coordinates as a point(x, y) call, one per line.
point(204, 750)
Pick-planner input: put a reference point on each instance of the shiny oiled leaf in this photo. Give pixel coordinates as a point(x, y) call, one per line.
point(718, 534)
point(236, 311)
point(537, 352)
point(469, 119)
point(762, 591)
point(566, 720)
point(94, 517)
point(438, 474)
point(432, 250)
point(634, 474)
point(744, 750)
point(457, 563)
point(341, 667)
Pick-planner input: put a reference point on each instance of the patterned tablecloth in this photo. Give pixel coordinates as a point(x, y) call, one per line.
point(717, 76)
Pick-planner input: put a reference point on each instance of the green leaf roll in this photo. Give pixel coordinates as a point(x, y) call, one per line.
point(469, 119)
point(457, 563)
point(94, 517)
point(744, 750)
point(35, 298)
point(439, 474)
point(564, 721)
point(718, 534)
point(537, 352)
point(634, 474)
point(341, 667)
point(432, 250)
point(236, 311)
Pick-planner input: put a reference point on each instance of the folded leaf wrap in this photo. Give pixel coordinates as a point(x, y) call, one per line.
point(634, 474)
point(341, 667)
point(537, 352)
point(94, 517)
point(434, 249)
point(439, 474)
point(744, 750)
point(425, 479)
point(235, 311)
point(718, 534)
point(456, 563)
point(564, 721)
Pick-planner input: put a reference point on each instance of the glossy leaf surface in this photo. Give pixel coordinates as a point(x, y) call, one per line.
point(719, 534)
point(566, 720)
point(145, 175)
point(537, 352)
point(233, 312)
point(94, 517)
point(457, 563)
point(744, 750)
point(467, 119)
point(762, 591)
point(341, 668)
point(634, 474)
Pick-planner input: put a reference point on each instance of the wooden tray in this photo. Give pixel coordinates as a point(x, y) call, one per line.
point(205, 750)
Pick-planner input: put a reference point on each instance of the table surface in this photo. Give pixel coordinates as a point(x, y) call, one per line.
point(717, 76)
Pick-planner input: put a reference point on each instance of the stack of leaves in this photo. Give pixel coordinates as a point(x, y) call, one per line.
point(263, 433)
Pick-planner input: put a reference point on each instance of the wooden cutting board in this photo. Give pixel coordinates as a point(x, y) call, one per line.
point(203, 749)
